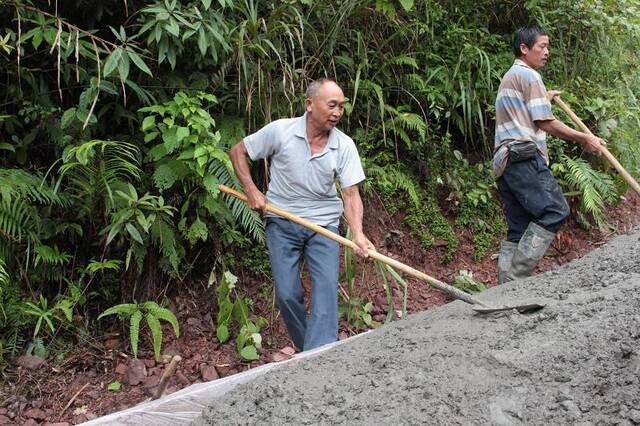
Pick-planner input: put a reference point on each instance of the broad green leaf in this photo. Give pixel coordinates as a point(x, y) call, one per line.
point(210, 182)
point(148, 122)
point(182, 133)
point(114, 386)
point(249, 353)
point(137, 60)
point(206, 4)
point(222, 333)
point(67, 118)
point(135, 234)
point(7, 147)
point(123, 65)
point(112, 62)
point(407, 5)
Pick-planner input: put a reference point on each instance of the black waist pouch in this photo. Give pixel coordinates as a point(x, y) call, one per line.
point(521, 151)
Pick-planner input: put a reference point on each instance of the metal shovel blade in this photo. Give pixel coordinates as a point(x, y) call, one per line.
point(523, 309)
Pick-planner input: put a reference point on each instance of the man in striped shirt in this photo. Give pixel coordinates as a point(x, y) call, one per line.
point(534, 205)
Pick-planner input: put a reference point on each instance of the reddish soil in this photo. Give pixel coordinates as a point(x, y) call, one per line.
point(74, 389)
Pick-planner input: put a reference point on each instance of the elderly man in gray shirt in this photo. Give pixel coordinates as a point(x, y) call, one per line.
point(307, 154)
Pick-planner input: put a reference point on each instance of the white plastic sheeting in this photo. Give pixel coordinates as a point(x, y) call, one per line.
point(183, 406)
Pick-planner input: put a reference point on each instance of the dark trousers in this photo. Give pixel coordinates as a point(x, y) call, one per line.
point(531, 194)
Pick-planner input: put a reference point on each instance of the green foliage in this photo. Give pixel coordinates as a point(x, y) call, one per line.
point(597, 189)
point(152, 313)
point(121, 120)
point(464, 281)
point(190, 151)
point(231, 306)
point(357, 313)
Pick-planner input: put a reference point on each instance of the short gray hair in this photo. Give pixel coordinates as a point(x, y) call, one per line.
point(315, 85)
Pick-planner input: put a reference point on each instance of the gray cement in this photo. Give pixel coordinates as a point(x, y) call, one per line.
point(575, 362)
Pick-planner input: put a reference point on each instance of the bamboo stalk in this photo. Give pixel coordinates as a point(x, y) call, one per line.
point(614, 162)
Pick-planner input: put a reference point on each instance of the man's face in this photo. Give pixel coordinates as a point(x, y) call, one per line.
point(326, 108)
point(537, 56)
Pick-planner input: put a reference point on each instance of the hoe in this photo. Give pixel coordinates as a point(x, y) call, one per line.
point(479, 306)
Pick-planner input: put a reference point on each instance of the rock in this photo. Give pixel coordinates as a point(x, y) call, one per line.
point(30, 362)
point(634, 416)
point(3, 411)
point(278, 357)
point(288, 350)
point(30, 422)
point(121, 368)
point(171, 350)
point(170, 390)
point(209, 373)
point(136, 372)
point(182, 378)
point(35, 413)
point(571, 408)
point(4, 419)
point(342, 335)
point(149, 363)
point(150, 382)
point(380, 317)
point(57, 424)
point(111, 344)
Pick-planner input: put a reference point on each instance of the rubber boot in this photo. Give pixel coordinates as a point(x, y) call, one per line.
point(531, 248)
point(507, 248)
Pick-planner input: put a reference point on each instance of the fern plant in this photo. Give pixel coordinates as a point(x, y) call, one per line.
point(152, 313)
point(596, 188)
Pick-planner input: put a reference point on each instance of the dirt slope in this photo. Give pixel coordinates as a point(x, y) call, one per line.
point(576, 361)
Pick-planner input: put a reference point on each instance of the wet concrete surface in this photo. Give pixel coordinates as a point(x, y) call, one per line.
point(577, 361)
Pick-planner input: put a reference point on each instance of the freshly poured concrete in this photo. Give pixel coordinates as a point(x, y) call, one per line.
point(575, 362)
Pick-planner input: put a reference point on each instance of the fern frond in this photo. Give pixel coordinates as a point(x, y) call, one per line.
point(4, 276)
point(20, 184)
point(597, 187)
point(156, 333)
point(18, 219)
point(163, 314)
point(125, 309)
point(163, 235)
point(248, 219)
point(134, 331)
point(50, 255)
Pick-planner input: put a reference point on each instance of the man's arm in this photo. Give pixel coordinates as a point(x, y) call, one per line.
point(560, 130)
point(256, 199)
point(353, 211)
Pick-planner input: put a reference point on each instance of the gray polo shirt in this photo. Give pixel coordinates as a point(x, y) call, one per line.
point(303, 184)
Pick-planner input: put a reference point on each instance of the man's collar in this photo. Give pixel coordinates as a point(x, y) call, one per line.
point(521, 63)
point(301, 131)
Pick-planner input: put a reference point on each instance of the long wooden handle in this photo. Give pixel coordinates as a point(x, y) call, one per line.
point(614, 162)
point(458, 294)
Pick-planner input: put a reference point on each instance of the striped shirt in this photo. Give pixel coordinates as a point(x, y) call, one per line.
point(522, 99)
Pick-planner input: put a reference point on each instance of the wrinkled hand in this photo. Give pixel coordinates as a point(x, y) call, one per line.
point(593, 144)
point(364, 245)
point(257, 201)
point(552, 94)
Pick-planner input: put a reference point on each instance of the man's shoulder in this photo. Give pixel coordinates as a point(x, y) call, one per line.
point(521, 73)
point(344, 141)
point(284, 123)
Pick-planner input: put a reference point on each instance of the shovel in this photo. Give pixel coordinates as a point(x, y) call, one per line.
point(614, 162)
point(479, 306)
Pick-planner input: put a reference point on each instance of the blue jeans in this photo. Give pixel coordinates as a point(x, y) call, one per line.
point(531, 194)
point(288, 242)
